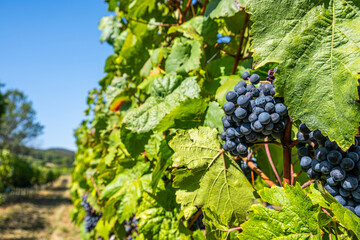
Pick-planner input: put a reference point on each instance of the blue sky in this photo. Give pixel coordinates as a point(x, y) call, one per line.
point(51, 51)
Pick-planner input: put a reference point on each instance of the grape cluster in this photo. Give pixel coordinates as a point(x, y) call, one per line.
point(322, 158)
point(223, 39)
point(246, 169)
point(131, 226)
point(252, 113)
point(92, 217)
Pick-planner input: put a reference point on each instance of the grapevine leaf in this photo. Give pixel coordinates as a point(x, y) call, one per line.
point(160, 217)
point(211, 178)
point(134, 143)
point(117, 86)
point(224, 8)
point(227, 84)
point(139, 8)
point(188, 114)
point(147, 116)
point(216, 227)
point(199, 28)
point(110, 27)
point(297, 218)
point(317, 46)
point(184, 57)
point(126, 189)
point(346, 217)
point(165, 85)
point(212, 116)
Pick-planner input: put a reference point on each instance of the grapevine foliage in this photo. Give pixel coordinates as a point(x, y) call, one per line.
point(150, 157)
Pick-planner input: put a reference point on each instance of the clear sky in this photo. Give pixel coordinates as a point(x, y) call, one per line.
point(51, 51)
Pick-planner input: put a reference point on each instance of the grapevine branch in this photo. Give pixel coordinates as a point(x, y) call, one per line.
point(308, 183)
point(238, 52)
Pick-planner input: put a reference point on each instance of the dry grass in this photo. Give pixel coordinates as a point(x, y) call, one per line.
point(44, 217)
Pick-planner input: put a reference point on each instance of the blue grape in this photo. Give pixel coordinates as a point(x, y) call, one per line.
point(241, 91)
point(321, 153)
point(304, 129)
point(245, 75)
point(223, 136)
point(269, 107)
point(269, 126)
point(331, 145)
point(275, 118)
point(356, 193)
point(258, 110)
point(344, 193)
point(240, 113)
point(350, 183)
point(340, 199)
point(326, 167)
point(254, 79)
point(230, 133)
point(357, 210)
point(302, 137)
point(330, 180)
point(193, 2)
point(241, 84)
point(252, 117)
point(229, 108)
point(241, 148)
point(312, 174)
point(305, 162)
point(231, 96)
point(280, 109)
point(245, 128)
point(353, 155)
point(331, 189)
point(347, 164)
point(243, 101)
point(316, 165)
point(230, 145)
point(260, 102)
point(219, 35)
point(257, 126)
point(252, 137)
point(264, 118)
point(338, 174)
point(303, 151)
point(334, 157)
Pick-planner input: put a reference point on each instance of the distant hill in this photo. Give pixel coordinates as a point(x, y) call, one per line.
point(59, 157)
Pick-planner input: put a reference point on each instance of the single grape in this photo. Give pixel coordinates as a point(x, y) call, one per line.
point(269, 126)
point(321, 153)
point(316, 165)
point(330, 180)
point(340, 199)
point(304, 129)
point(241, 91)
point(230, 133)
point(242, 148)
point(257, 126)
point(230, 145)
point(243, 101)
point(318, 135)
point(353, 155)
point(331, 145)
point(254, 79)
point(245, 75)
point(357, 210)
point(302, 137)
point(332, 190)
point(275, 118)
point(347, 164)
point(305, 162)
point(326, 167)
point(303, 151)
point(269, 107)
point(281, 109)
point(312, 174)
point(223, 136)
point(258, 110)
point(279, 127)
point(334, 157)
point(252, 117)
point(350, 183)
point(252, 137)
point(344, 193)
point(356, 193)
point(338, 174)
point(229, 108)
point(240, 113)
point(231, 96)
point(245, 128)
point(260, 102)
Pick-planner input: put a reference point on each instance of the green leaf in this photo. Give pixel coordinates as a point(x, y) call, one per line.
point(134, 143)
point(160, 217)
point(227, 84)
point(216, 227)
point(206, 177)
point(184, 57)
point(126, 189)
point(224, 8)
point(139, 8)
point(189, 114)
point(317, 46)
point(199, 28)
point(117, 86)
point(163, 86)
point(212, 117)
point(297, 218)
point(147, 116)
point(347, 218)
point(110, 27)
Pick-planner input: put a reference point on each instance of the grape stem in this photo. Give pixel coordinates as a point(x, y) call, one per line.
point(93, 182)
point(308, 183)
point(204, 7)
point(257, 171)
point(272, 163)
